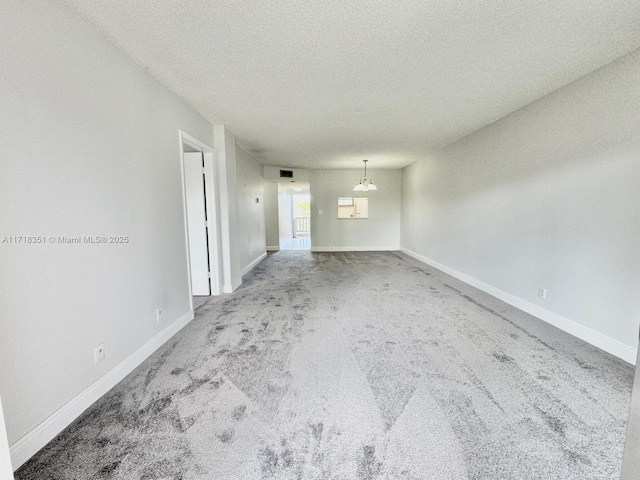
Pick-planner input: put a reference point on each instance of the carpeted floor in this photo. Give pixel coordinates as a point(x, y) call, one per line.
point(355, 366)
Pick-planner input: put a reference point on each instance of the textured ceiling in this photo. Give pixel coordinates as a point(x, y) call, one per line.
point(325, 84)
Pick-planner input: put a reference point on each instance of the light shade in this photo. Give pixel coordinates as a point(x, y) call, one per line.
point(366, 184)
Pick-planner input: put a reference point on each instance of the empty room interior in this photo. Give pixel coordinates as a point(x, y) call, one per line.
point(334, 240)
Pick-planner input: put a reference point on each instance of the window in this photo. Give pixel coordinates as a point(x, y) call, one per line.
point(353, 207)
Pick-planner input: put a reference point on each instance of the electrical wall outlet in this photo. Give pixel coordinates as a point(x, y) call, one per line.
point(158, 314)
point(98, 353)
point(542, 292)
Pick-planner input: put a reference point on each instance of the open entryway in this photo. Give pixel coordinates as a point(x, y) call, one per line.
point(294, 217)
point(201, 226)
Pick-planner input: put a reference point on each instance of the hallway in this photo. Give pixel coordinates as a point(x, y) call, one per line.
point(298, 243)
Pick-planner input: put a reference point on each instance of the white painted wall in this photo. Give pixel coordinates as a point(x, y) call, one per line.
point(381, 231)
point(547, 196)
point(6, 472)
point(273, 173)
point(88, 146)
point(631, 458)
point(251, 214)
point(271, 216)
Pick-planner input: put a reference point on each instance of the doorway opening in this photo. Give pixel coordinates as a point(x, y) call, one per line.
point(294, 216)
point(201, 218)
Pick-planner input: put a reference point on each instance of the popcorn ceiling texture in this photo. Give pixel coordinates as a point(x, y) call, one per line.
point(355, 366)
point(326, 84)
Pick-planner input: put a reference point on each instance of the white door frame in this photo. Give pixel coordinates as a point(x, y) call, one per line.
point(211, 201)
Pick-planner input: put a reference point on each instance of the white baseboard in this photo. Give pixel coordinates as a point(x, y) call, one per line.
point(273, 248)
point(614, 347)
point(354, 249)
point(231, 288)
point(27, 446)
point(249, 267)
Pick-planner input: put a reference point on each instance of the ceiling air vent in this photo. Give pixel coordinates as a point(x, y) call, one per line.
point(286, 173)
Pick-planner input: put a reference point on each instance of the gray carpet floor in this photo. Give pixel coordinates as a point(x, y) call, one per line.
point(355, 366)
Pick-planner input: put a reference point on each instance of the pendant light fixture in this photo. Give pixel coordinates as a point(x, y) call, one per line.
point(366, 184)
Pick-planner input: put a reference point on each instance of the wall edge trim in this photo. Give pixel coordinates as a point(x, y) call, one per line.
point(27, 446)
point(354, 249)
point(251, 266)
point(593, 337)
